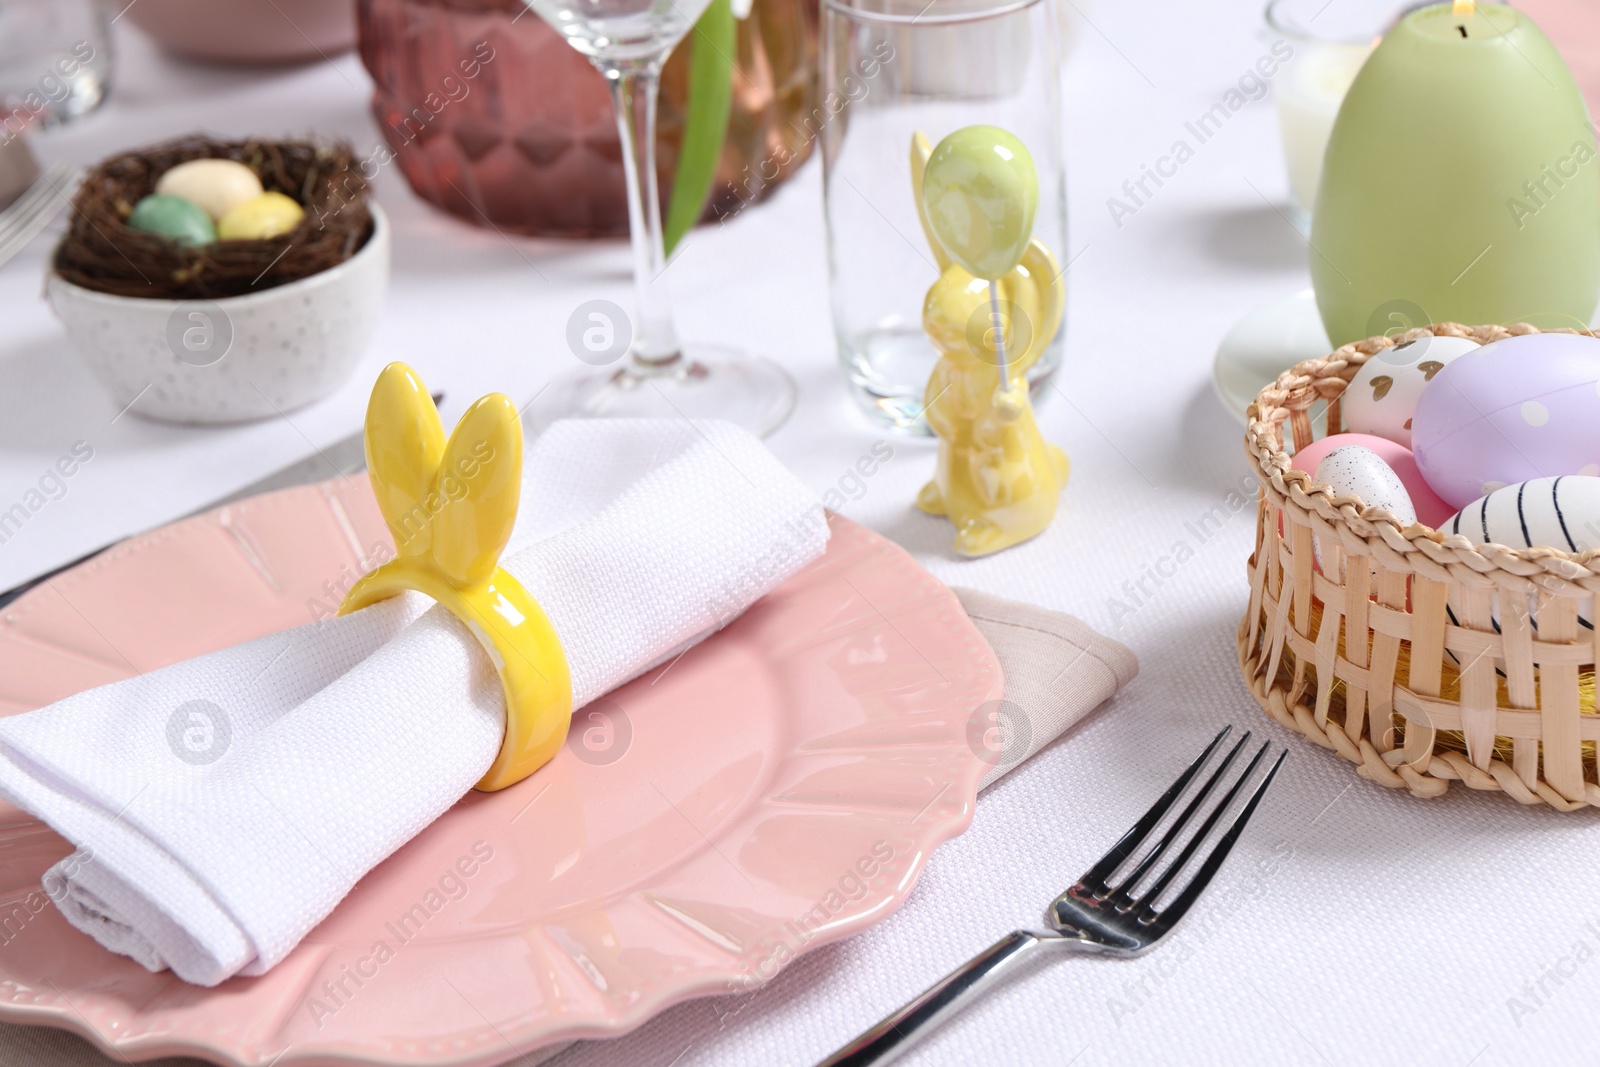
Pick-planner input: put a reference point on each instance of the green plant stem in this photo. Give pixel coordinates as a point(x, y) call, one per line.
point(706, 124)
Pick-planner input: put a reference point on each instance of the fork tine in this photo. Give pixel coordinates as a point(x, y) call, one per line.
point(1147, 900)
point(15, 236)
point(63, 179)
point(59, 182)
point(1181, 904)
point(51, 182)
point(1124, 892)
point(1095, 877)
point(33, 211)
point(35, 197)
point(26, 229)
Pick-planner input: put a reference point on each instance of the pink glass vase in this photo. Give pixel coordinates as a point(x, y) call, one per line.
point(493, 117)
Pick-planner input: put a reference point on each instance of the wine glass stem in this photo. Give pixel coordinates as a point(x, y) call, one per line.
point(634, 89)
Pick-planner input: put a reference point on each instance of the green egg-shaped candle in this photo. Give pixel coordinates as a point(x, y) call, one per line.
point(174, 218)
point(1460, 183)
point(981, 192)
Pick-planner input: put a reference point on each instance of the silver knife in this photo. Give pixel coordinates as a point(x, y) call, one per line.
point(345, 456)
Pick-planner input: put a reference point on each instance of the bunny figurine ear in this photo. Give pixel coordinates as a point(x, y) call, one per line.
point(480, 480)
point(404, 444)
point(920, 151)
point(1044, 300)
point(451, 506)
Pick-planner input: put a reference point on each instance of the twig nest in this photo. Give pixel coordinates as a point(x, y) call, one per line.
point(105, 251)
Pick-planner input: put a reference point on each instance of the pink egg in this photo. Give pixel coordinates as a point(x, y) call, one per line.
point(1431, 510)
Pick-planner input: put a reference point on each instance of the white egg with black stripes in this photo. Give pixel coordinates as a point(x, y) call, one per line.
point(1561, 513)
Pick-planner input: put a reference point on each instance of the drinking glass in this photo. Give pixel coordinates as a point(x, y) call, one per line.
point(890, 69)
point(55, 62)
point(628, 41)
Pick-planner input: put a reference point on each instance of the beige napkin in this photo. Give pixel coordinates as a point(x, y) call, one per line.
point(1057, 670)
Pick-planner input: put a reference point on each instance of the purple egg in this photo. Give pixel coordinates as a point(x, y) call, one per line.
point(1523, 408)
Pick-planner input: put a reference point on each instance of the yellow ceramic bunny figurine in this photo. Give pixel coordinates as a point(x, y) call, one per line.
point(997, 479)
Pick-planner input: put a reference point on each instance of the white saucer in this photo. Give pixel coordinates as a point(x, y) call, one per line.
point(1264, 344)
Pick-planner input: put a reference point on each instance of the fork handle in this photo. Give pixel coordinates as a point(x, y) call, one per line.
point(886, 1042)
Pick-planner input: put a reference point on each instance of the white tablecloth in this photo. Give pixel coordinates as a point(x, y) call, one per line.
point(1353, 925)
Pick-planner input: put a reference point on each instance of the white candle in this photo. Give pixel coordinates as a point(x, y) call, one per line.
point(1309, 94)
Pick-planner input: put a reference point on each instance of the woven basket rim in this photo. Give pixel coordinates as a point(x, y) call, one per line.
point(1324, 378)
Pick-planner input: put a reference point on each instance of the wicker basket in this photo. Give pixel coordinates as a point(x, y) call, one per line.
point(1455, 661)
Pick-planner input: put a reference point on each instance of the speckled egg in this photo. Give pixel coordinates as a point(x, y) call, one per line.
point(1514, 410)
point(1382, 397)
point(1429, 509)
point(174, 218)
point(215, 185)
point(1361, 472)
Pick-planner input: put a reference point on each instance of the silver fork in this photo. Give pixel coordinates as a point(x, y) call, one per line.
point(33, 210)
point(1095, 915)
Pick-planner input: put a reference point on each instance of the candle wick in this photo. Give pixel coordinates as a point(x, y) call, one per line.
point(1463, 30)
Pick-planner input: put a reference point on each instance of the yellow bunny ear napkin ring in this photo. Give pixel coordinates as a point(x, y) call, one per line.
point(450, 505)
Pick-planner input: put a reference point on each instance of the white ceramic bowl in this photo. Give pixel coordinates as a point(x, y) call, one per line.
point(237, 358)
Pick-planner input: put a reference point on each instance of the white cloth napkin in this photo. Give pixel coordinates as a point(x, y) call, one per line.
point(341, 739)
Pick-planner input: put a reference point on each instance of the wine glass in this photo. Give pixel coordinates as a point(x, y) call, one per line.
point(628, 41)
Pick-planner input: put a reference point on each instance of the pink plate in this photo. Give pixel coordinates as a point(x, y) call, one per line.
point(777, 788)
